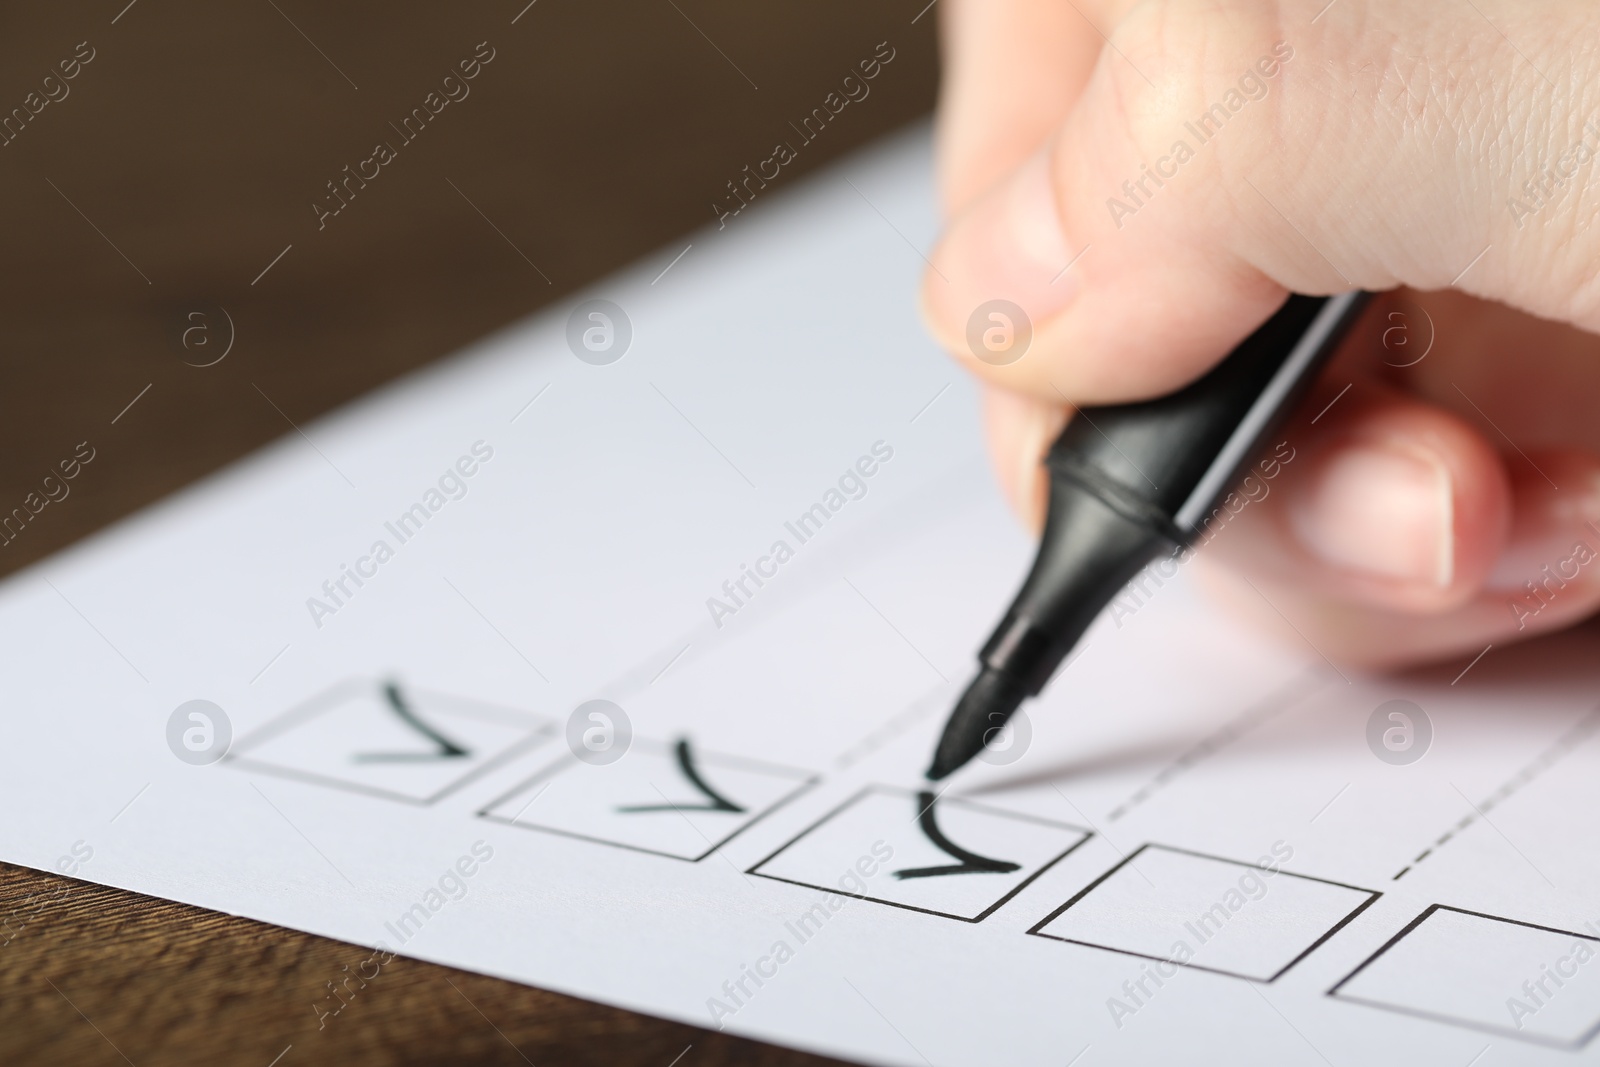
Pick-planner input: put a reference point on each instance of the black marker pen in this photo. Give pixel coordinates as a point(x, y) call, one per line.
point(1129, 483)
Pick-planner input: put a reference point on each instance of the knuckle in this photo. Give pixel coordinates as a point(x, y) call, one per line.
point(1198, 88)
point(1386, 140)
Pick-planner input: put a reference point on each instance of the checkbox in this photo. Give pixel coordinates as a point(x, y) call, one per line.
point(948, 857)
point(1501, 976)
point(668, 799)
point(386, 739)
point(1245, 920)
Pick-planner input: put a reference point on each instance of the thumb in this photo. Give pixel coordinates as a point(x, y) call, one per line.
point(1224, 154)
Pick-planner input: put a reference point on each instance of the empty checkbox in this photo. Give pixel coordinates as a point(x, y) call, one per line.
point(669, 799)
point(1246, 920)
point(947, 857)
point(383, 738)
point(1535, 983)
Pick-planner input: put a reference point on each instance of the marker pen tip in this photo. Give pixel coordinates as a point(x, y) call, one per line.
point(986, 705)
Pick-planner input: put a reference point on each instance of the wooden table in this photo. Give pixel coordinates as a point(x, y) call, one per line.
point(175, 173)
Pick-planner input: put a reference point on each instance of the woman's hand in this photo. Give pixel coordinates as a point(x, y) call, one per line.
point(1148, 180)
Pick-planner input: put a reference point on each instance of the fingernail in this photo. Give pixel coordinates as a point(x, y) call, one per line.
point(1384, 510)
point(1007, 246)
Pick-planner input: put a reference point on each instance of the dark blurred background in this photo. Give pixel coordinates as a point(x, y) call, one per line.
point(182, 159)
point(188, 152)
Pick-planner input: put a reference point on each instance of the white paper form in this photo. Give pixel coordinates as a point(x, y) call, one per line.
point(1195, 855)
